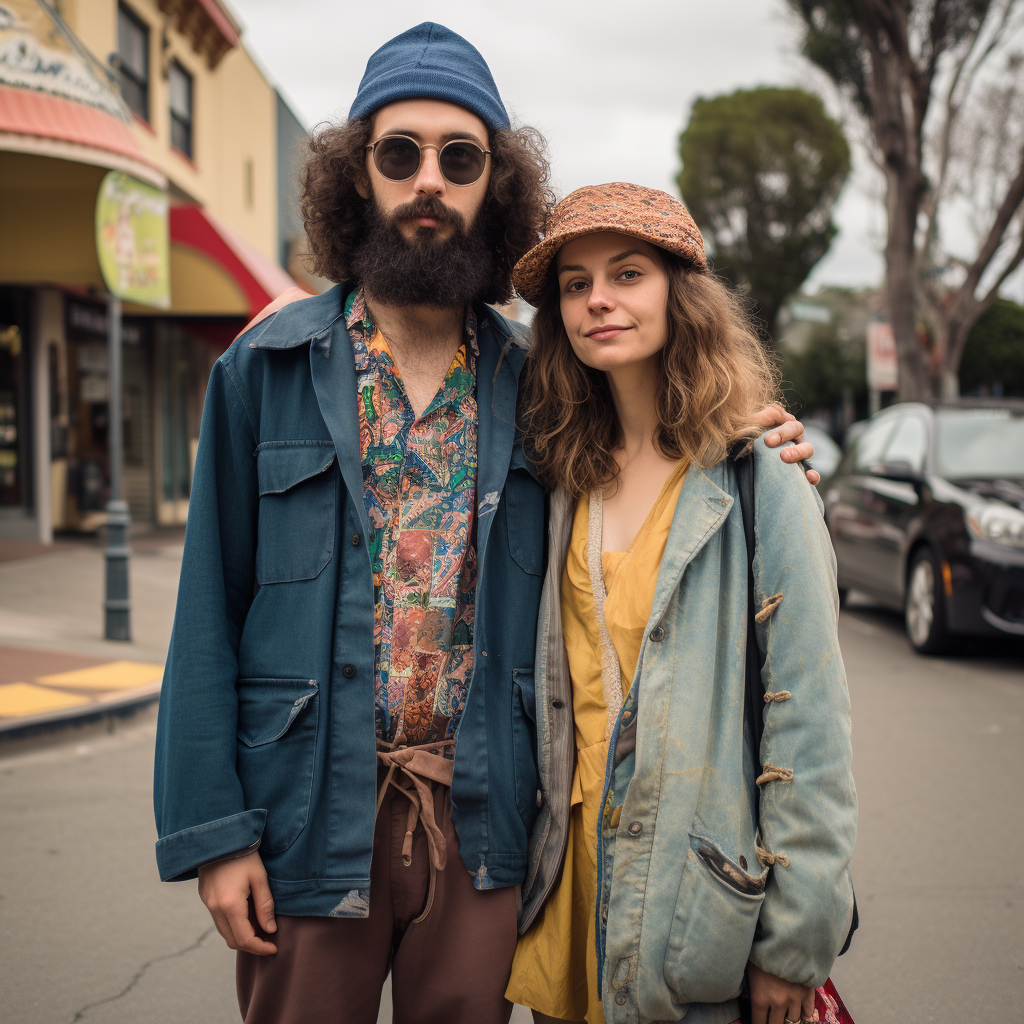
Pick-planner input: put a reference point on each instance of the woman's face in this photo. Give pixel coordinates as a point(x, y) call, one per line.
point(614, 297)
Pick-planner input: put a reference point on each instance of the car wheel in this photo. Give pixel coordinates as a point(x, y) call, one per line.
point(923, 608)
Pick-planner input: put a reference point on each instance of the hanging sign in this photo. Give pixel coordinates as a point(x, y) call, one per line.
point(883, 366)
point(132, 240)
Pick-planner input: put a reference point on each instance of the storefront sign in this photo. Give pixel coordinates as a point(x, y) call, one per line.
point(883, 366)
point(132, 240)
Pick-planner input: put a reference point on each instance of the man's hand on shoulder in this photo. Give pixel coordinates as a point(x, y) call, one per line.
point(225, 887)
point(789, 428)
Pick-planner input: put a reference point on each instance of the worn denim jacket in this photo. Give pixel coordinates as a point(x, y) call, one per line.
point(266, 731)
point(689, 889)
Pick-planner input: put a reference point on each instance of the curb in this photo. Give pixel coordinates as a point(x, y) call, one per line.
point(121, 705)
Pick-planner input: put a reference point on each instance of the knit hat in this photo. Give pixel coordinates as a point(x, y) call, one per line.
point(430, 62)
point(634, 210)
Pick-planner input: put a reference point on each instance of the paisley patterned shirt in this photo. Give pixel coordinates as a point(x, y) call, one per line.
point(419, 485)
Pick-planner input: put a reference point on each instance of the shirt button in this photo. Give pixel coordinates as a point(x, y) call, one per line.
point(348, 671)
point(355, 540)
point(657, 634)
point(635, 828)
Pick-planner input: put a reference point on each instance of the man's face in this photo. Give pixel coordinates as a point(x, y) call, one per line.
point(428, 123)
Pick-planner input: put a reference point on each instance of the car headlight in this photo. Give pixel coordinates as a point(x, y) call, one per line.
point(998, 523)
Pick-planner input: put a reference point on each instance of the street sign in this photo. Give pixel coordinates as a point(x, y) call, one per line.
point(883, 367)
point(132, 240)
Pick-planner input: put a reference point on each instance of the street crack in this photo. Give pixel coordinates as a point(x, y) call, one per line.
point(139, 974)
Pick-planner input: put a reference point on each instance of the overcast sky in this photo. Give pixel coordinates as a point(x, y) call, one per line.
point(609, 82)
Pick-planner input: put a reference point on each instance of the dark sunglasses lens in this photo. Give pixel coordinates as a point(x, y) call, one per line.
point(462, 162)
point(397, 158)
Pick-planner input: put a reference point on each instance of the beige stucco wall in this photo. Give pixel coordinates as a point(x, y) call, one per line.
point(234, 120)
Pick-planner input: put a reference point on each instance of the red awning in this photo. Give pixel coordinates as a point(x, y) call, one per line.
point(26, 112)
point(259, 277)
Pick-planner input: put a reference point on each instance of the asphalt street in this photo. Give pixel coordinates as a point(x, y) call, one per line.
point(89, 934)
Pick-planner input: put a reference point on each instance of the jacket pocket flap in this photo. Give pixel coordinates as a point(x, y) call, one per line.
point(268, 707)
point(282, 466)
point(725, 870)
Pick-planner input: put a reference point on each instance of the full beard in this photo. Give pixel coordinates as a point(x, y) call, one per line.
point(423, 271)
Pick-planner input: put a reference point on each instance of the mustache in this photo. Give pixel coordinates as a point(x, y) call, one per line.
point(429, 206)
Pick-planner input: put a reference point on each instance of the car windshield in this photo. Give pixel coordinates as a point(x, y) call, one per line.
point(980, 443)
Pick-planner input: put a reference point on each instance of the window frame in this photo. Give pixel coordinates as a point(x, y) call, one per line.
point(125, 71)
point(176, 119)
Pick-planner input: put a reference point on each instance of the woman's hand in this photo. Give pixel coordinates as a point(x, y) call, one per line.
point(774, 1001)
point(789, 429)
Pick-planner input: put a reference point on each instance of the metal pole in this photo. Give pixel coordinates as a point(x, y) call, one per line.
point(117, 604)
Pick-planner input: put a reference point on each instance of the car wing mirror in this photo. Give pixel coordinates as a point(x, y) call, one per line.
point(904, 472)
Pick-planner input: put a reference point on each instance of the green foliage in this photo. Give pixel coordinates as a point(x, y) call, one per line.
point(816, 379)
point(838, 34)
point(994, 353)
point(762, 169)
point(832, 43)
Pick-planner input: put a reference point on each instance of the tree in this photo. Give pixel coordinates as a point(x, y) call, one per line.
point(929, 77)
point(994, 354)
point(762, 169)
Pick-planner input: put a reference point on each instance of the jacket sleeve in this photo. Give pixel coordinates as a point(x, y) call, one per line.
point(808, 804)
point(200, 809)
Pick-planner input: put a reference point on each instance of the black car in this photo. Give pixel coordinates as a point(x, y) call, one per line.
point(926, 513)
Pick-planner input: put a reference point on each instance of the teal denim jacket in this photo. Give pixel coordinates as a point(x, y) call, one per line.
point(689, 889)
point(266, 731)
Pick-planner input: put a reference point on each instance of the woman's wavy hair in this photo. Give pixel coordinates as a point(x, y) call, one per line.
point(512, 217)
point(714, 375)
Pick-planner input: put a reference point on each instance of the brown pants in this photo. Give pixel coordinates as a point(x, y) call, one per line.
point(451, 968)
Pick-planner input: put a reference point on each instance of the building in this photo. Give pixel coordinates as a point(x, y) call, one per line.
point(164, 91)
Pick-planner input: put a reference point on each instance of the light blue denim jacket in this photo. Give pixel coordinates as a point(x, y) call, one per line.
point(688, 888)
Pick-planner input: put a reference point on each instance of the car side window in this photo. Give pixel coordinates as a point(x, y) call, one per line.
point(871, 444)
point(909, 443)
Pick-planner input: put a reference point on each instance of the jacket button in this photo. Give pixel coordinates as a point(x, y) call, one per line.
point(635, 828)
point(348, 671)
point(620, 996)
point(355, 540)
point(657, 634)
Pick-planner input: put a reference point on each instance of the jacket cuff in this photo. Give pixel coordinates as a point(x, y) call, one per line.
point(179, 855)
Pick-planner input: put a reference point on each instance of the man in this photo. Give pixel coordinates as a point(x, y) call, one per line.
point(361, 578)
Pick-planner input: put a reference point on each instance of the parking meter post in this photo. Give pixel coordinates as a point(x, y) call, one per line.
point(116, 603)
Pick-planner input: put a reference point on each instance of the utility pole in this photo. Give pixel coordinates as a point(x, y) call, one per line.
point(117, 604)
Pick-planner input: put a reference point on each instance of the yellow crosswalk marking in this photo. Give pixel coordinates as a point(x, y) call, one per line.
point(19, 699)
point(116, 675)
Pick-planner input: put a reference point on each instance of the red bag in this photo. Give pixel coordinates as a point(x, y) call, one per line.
point(829, 1006)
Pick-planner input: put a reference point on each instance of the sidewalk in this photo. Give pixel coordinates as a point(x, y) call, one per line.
point(54, 665)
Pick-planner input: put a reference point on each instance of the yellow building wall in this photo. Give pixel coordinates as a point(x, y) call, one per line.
point(234, 120)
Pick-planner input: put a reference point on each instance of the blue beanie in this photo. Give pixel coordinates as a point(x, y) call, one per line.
point(430, 62)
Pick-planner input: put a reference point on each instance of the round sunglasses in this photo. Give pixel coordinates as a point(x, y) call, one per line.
point(398, 158)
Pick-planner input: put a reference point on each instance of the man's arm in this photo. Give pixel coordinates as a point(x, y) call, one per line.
point(200, 809)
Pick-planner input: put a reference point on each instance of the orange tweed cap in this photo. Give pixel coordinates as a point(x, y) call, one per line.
point(634, 210)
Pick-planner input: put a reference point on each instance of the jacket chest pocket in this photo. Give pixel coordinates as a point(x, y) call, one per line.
point(298, 503)
point(524, 497)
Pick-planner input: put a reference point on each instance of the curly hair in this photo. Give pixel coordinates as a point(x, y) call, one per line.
point(512, 216)
point(714, 375)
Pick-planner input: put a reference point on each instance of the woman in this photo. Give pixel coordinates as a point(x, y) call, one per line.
point(674, 858)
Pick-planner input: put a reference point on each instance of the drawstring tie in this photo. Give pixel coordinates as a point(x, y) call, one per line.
point(410, 771)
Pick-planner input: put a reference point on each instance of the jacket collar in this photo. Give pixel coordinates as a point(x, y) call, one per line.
point(701, 509)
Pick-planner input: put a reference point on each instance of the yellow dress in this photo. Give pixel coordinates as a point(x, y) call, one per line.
point(555, 965)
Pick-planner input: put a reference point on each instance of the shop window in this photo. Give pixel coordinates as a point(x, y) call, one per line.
point(180, 83)
point(133, 60)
